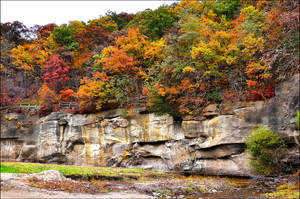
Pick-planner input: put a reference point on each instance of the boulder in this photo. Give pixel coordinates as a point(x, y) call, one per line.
point(48, 175)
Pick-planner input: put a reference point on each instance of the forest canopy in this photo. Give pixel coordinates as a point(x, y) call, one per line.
point(175, 59)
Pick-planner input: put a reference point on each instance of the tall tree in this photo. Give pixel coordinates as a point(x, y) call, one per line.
point(15, 32)
point(56, 73)
point(154, 23)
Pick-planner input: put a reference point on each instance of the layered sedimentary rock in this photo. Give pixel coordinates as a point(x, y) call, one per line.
point(212, 144)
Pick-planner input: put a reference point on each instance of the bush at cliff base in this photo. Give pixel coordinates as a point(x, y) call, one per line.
point(266, 148)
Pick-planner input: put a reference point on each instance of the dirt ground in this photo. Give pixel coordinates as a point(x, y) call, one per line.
point(60, 194)
point(53, 184)
point(14, 187)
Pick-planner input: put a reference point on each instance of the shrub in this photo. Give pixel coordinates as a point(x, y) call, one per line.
point(160, 106)
point(298, 119)
point(266, 148)
point(214, 95)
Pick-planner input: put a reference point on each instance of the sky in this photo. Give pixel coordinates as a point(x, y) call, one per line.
point(60, 12)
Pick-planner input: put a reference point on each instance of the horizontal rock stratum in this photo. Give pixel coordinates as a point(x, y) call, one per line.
point(213, 144)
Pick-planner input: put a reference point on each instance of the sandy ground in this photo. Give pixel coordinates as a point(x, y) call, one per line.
point(13, 187)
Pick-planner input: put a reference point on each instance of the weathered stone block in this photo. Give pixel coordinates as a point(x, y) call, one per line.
point(193, 129)
point(220, 151)
point(236, 166)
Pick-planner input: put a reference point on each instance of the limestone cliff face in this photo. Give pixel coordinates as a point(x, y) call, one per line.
point(212, 144)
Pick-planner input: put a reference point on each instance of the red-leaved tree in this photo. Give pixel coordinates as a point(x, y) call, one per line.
point(56, 75)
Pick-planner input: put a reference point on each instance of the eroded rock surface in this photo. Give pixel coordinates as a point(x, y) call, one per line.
point(210, 144)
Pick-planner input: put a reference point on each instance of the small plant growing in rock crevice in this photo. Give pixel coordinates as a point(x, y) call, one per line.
point(266, 148)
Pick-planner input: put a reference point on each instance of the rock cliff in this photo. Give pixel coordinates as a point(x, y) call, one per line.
point(213, 144)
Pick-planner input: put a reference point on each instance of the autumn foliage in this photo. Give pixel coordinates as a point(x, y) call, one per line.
point(56, 72)
point(175, 59)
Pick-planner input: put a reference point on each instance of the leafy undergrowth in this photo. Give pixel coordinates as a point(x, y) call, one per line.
point(188, 187)
point(71, 186)
point(85, 172)
point(285, 191)
point(289, 189)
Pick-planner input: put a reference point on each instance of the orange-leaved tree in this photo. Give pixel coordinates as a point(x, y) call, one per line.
point(208, 57)
point(128, 63)
point(95, 93)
